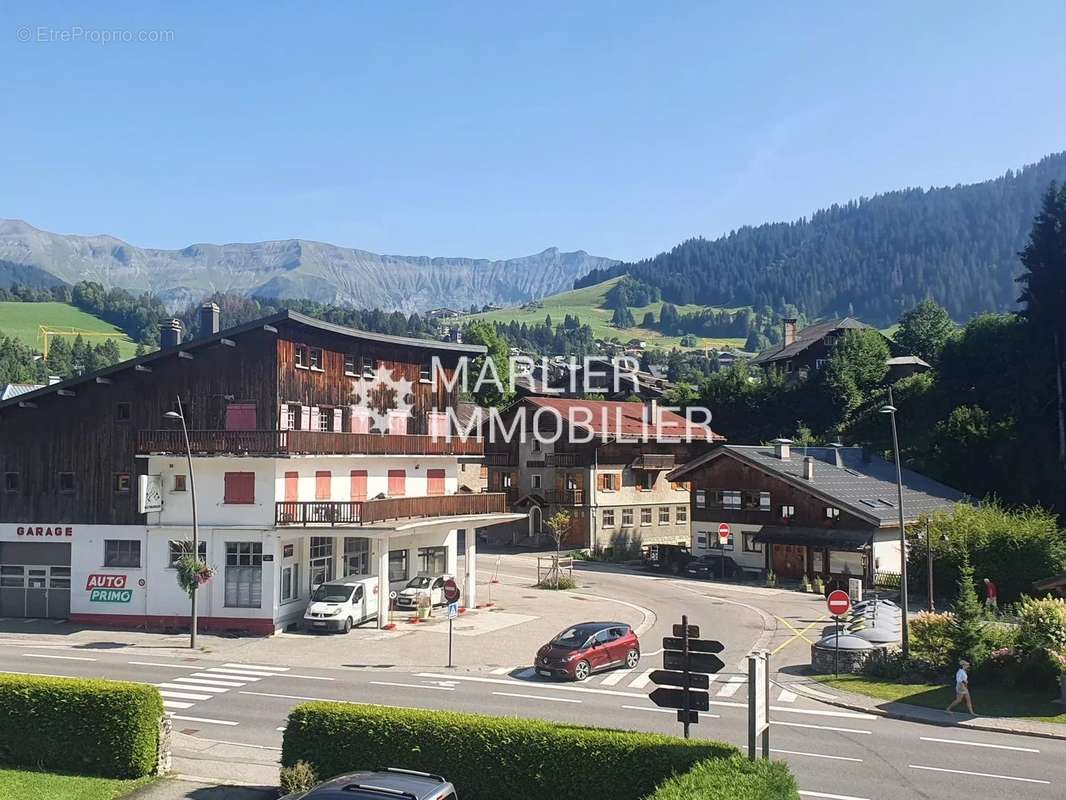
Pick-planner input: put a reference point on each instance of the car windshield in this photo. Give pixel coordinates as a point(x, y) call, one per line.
point(332, 593)
point(420, 582)
point(575, 637)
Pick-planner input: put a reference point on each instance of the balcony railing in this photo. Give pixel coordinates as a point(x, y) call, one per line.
point(498, 459)
point(563, 459)
point(217, 442)
point(565, 497)
point(367, 512)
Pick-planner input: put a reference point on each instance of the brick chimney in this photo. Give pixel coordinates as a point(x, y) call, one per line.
point(209, 317)
point(169, 334)
point(788, 331)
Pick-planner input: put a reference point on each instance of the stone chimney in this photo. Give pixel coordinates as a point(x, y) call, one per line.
point(209, 317)
point(783, 449)
point(788, 331)
point(169, 334)
point(808, 468)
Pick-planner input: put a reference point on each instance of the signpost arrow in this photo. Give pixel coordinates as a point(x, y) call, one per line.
point(694, 645)
point(696, 680)
point(707, 663)
point(675, 698)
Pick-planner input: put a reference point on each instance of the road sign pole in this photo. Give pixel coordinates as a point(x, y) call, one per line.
point(688, 677)
point(836, 651)
point(766, 702)
point(450, 620)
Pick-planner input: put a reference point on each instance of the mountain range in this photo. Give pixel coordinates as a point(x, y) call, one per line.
point(874, 257)
point(291, 268)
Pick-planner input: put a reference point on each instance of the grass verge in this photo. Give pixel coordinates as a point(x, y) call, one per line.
point(30, 785)
point(988, 701)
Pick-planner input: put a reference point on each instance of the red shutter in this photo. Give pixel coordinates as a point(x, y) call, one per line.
point(240, 417)
point(397, 482)
point(239, 487)
point(435, 481)
point(292, 487)
point(358, 484)
point(323, 479)
point(283, 419)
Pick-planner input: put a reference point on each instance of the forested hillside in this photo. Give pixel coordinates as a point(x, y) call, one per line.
point(873, 258)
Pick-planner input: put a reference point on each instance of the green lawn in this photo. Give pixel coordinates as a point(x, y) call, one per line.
point(27, 785)
point(988, 701)
point(23, 320)
point(586, 303)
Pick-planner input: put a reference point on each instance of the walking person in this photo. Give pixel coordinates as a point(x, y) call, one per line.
point(991, 596)
point(962, 687)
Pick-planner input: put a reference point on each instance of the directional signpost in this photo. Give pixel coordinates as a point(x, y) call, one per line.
point(688, 660)
point(451, 597)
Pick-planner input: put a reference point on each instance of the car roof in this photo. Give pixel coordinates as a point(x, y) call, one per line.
point(394, 783)
point(599, 625)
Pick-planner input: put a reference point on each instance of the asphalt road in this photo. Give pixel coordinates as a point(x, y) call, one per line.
point(834, 753)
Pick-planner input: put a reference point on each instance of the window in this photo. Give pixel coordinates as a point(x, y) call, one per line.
point(701, 498)
point(536, 481)
point(244, 575)
point(609, 481)
point(788, 512)
point(66, 483)
point(180, 483)
point(731, 499)
point(764, 501)
point(645, 516)
point(323, 484)
point(325, 419)
point(788, 366)
point(627, 517)
point(122, 553)
point(398, 482)
point(433, 560)
point(571, 481)
point(315, 356)
point(368, 366)
point(820, 362)
point(832, 513)
point(59, 578)
point(239, 488)
point(292, 417)
point(681, 513)
point(120, 482)
point(321, 547)
point(290, 581)
point(749, 544)
point(122, 412)
point(749, 501)
point(301, 356)
point(12, 577)
point(349, 364)
point(11, 482)
point(647, 481)
point(356, 555)
point(425, 371)
point(664, 515)
point(180, 549)
point(397, 565)
point(435, 481)
point(608, 517)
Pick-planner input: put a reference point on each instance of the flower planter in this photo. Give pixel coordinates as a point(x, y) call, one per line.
point(423, 613)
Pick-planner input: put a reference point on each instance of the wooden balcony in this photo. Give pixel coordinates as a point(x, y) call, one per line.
point(565, 497)
point(563, 459)
point(367, 512)
point(282, 443)
point(500, 459)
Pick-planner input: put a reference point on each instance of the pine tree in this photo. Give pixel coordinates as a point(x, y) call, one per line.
point(924, 330)
point(966, 623)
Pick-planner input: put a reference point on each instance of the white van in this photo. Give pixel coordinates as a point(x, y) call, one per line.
point(338, 605)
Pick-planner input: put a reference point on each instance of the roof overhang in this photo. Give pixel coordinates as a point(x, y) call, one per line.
point(815, 537)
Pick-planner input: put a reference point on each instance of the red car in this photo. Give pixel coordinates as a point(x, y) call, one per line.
point(588, 647)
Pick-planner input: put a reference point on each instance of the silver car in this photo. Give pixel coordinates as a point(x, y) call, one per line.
point(391, 784)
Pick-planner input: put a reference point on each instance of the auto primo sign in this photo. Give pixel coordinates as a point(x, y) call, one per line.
point(108, 589)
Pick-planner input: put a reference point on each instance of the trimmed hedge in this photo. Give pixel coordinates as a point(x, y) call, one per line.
point(491, 757)
point(89, 727)
point(735, 778)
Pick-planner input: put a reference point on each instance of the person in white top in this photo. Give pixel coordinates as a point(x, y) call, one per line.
point(962, 687)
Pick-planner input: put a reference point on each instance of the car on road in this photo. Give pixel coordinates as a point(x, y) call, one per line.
point(339, 605)
point(588, 647)
point(713, 566)
point(672, 558)
point(407, 599)
point(397, 784)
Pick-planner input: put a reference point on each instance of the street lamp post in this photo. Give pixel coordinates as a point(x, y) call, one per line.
point(180, 415)
point(891, 411)
point(929, 560)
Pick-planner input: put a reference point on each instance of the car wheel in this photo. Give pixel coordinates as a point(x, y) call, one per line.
point(581, 670)
point(348, 625)
point(632, 659)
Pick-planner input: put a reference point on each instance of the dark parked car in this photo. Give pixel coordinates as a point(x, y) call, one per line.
point(672, 558)
point(397, 784)
point(712, 566)
point(588, 647)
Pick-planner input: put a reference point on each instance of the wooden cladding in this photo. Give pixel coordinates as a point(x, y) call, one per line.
point(220, 442)
point(373, 511)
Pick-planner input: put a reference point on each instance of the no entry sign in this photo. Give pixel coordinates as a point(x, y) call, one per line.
point(838, 602)
point(723, 533)
point(451, 591)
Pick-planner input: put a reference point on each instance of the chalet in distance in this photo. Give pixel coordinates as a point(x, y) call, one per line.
point(802, 353)
point(816, 511)
point(296, 481)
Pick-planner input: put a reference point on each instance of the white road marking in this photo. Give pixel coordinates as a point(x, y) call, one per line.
point(157, 664)
point(244, 673)
point(502, 670)
point(980, 774)
point(207, 721)
point(176, 704)
point(616, 677)
point(642, 680)
point(253, 666)
point(185, 687)
point(980, 744)
point(733, 684)
point(280, 728)
point(205, 677)
point(64, 658)
point(184, 695)
point(806, 690)
point(553, 687)
point(238, 744)
point(814, 755)
point(819, 713)
point(652, 653)
point(324, 700)
point(786, 696)
point(669, 711)
point(827, 796)
point(820, 727)
point(538, 697)
point(413, 686)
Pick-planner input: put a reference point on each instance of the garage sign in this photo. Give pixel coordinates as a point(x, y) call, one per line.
point(108, 589)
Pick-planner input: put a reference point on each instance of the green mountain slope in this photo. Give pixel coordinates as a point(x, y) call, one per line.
point(23, 321)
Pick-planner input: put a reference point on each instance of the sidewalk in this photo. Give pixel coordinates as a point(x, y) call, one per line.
point(930, 716)
point(208, 770)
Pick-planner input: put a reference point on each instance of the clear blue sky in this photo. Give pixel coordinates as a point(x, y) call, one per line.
point(479, 129)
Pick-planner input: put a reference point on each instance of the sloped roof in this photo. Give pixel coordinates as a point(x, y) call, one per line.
point(15, 389)
point(864, 485)
point(808, 336)
point(617, 418)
